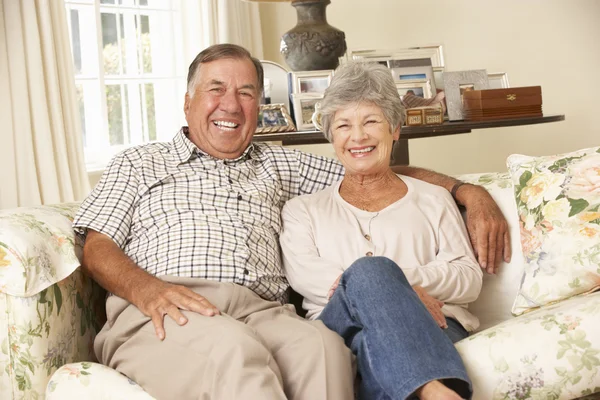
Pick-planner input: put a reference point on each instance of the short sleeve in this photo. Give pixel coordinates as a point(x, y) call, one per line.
point(109, 207)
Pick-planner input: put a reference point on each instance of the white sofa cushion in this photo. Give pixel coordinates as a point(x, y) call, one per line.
point(551, 353)
point(558, 200)
point(498, 292)
point(37, 248)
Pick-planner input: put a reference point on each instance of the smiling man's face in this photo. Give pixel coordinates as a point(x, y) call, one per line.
point(223, 112)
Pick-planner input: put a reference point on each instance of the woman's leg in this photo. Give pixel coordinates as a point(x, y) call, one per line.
point(399, 346)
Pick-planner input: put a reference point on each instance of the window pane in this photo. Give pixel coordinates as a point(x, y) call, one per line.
point(76, 40)
point(110, 44)
point(114, 108)
point(146, 45)
point(150, 110)
point(79, 89)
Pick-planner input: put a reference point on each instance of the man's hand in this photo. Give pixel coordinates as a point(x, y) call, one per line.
point(163, 298)
point(488, 229)
point(333, 287)
point(433, 305)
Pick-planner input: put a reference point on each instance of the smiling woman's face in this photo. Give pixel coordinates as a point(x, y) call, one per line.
point(362, 139)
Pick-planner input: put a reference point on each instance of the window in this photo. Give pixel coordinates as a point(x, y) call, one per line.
point(128, 73)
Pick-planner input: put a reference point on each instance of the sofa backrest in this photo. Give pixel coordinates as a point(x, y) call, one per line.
point(499, 291)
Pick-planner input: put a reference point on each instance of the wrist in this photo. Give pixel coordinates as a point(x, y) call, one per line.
point(460, 192)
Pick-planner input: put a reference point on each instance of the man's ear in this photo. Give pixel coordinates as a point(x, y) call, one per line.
point(396, 134)
point(186, 104)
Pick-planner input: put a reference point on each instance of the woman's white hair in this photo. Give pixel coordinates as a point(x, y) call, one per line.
point(360, 82)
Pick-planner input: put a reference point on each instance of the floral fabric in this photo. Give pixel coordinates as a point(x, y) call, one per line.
point(558, 200)
point(551, 353)
point(40, 333)
point(92, 381)
point(37, 248)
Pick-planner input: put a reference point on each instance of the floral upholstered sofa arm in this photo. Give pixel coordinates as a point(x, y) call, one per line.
point(50, 311)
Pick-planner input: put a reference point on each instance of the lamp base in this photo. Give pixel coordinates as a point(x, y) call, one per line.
point(312, 44)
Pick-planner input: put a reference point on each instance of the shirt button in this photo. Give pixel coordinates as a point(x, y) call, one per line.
point(368, 237)
point(369, 254)
point(246, 272)
point(239, 196)
point(230, 181)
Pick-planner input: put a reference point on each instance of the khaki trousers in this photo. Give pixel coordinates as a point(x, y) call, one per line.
point(256, 349)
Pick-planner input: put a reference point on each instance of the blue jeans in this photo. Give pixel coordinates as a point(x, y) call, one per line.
point(398, 345)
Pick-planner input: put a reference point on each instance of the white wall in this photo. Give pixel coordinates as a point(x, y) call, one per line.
point(552, 43)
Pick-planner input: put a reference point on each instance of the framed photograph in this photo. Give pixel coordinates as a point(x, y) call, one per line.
point(415, 73)
point(304, 108)
point(316, 82)
point(498, 80)
point(456, 83)
point(274, 118)
point(418, 87)
point(434, 53)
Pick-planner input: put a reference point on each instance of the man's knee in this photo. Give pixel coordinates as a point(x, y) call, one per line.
point(320, 339)
point(374, 271)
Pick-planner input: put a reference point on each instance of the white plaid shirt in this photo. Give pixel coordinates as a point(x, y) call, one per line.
point(175, 210)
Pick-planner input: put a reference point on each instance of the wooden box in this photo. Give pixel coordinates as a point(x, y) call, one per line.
point(491, 104)
point(430, 115)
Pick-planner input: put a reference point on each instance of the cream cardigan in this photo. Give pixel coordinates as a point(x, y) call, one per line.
point(423, 233)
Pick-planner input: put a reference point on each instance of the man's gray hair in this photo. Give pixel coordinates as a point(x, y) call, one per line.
point(360, 82)
point(218, 52)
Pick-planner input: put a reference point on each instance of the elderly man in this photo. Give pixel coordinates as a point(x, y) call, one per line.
point(189, 230)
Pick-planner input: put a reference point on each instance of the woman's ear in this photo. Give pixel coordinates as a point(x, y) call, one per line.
point(396, 133)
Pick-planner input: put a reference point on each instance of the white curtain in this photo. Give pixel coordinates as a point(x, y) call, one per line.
point(41, 152)
point(207, 22)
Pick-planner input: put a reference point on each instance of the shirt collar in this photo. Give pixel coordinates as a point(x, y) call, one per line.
point(185, 149)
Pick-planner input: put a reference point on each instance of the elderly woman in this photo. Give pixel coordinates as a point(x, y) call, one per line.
point(383, 259)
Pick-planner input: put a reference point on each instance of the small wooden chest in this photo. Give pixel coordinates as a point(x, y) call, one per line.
point(502, 103)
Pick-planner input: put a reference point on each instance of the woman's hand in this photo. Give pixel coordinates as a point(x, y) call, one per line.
point(333, 287)
point(433, 305)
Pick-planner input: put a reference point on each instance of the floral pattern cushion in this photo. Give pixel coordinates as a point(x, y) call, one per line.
point(551, 353)
point(558, 200)
point(37, 248)
point(92, 381)
point(40, 333)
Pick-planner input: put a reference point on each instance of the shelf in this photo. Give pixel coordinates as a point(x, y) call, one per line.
point(413, 132)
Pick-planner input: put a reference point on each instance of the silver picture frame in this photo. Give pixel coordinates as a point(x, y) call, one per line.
point(304, 109)
point(456, 82)
point(420, 87)
point(305, 82)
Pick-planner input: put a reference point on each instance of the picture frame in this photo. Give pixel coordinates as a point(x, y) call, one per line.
point(304, 108)
point(273, 118)
point(305, 82)
point(455, 83)
point(435, 53)
point(412, 73)
point(498, 80)
point(276, 83)
point(419, 87)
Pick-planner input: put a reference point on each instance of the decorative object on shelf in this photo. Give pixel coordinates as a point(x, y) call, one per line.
point(456, 83)
point(311, 81)
point(492, 104)
point(312, 44)
point(274, 118)
point(277, 76)
point(419, 72)
point(430, 115)
point(418, 56)
point(418, 87)
point(304, 108)
point(409, 100)
point(498, 80)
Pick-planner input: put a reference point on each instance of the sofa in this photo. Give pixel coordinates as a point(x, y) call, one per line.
point(50, 312)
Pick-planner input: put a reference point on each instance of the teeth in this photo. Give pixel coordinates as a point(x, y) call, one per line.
point(365, 150)
point(225, 124)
